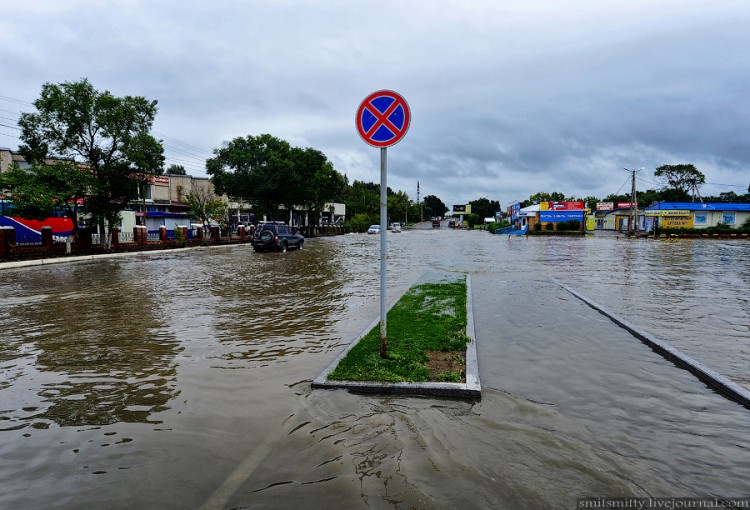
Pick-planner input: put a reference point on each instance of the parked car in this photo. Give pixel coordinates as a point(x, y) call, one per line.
point(374, 229)
point(276, 237)
point(435, 223)
point(451, 224)
point(395, 227)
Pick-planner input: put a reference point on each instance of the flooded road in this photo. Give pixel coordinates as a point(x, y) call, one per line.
point(183, 380)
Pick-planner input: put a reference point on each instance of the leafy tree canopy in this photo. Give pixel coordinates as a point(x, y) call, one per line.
point(176, 170)
point(685, 178)
point(204, 205)
point(109, 134)
point(484, 208)
point(399, 206)
point(45, 187)
point(591, 202)
point(269, 173)
point(434, 205)
point(543, 196)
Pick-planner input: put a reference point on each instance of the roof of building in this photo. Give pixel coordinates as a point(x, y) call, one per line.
point(698, 206)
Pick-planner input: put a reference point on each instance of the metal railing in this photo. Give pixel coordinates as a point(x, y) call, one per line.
point(126, 237)
point(28, 239)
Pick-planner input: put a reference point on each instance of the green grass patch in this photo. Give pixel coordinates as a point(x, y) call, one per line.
point(429, 317)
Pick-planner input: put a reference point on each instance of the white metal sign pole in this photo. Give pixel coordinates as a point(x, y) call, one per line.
point(383, 246)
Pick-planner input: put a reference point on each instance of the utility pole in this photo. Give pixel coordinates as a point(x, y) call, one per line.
point(418, 204)
point(633, 202)
point(696, 190)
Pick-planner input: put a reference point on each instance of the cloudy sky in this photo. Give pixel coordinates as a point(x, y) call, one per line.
point(508, 97)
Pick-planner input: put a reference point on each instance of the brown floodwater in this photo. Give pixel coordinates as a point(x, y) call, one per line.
point(182, 380)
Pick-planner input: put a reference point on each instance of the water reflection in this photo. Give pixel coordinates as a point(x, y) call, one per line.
point(274, 306)
point(95, 348)
point(692, 293)
point(220, 346)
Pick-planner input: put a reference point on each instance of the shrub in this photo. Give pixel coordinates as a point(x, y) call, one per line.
point(537, 227)
point(498, 224)
point(472, 220)
point(179, 236)
point(569, 225)
point(549, 226)
point(361, 222)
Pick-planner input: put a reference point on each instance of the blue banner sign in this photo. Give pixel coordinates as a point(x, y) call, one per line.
point(559, 216)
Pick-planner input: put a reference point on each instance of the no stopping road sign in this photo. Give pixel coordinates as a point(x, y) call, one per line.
point(383, 118)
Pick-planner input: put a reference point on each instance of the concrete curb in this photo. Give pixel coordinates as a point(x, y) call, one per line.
point(471, 389)
point(714, 379)
point(90, 258)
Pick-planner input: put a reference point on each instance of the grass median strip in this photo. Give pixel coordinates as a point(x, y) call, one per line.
point(426, 340)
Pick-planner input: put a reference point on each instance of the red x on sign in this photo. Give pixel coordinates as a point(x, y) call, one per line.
point(383, 118)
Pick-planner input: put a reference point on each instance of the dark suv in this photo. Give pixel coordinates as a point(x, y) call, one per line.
point(277, 237)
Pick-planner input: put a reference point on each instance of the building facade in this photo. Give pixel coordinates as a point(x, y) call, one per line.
point(696, 215)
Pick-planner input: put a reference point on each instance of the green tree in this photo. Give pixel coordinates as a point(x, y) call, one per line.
point(360, 222)
point(362, 198)
point(591, 202)
point(543, 196)
point(434, 206)
point(315, 181)
point(684, 178)
point(45, 187)
point(109, 134)
point(205, 206)
point(270, 174)
point(176, 170)
point(398, 206)
point(617, 199)
point(484, 208)
point(473, 219)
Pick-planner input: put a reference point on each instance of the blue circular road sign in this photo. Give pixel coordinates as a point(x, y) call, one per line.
point(383, 118)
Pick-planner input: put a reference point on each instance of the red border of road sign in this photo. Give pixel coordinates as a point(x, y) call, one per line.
point(398, 134)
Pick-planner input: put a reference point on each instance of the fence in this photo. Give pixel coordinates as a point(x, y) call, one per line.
point(86, 242)
point(28, 239)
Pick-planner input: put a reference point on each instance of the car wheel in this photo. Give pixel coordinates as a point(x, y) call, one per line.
point(300, 244)
point(283, 247)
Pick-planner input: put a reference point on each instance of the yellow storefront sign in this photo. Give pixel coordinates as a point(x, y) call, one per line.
point(677, 221)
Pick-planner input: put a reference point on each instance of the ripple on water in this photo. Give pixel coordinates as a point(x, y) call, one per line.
point(188, 358)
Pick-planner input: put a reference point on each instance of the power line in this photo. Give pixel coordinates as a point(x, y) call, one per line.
point(623, 185)
point(186, 154)
point(727, 185)
point(16, 101)
point(184, 144)
point(191, 163)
